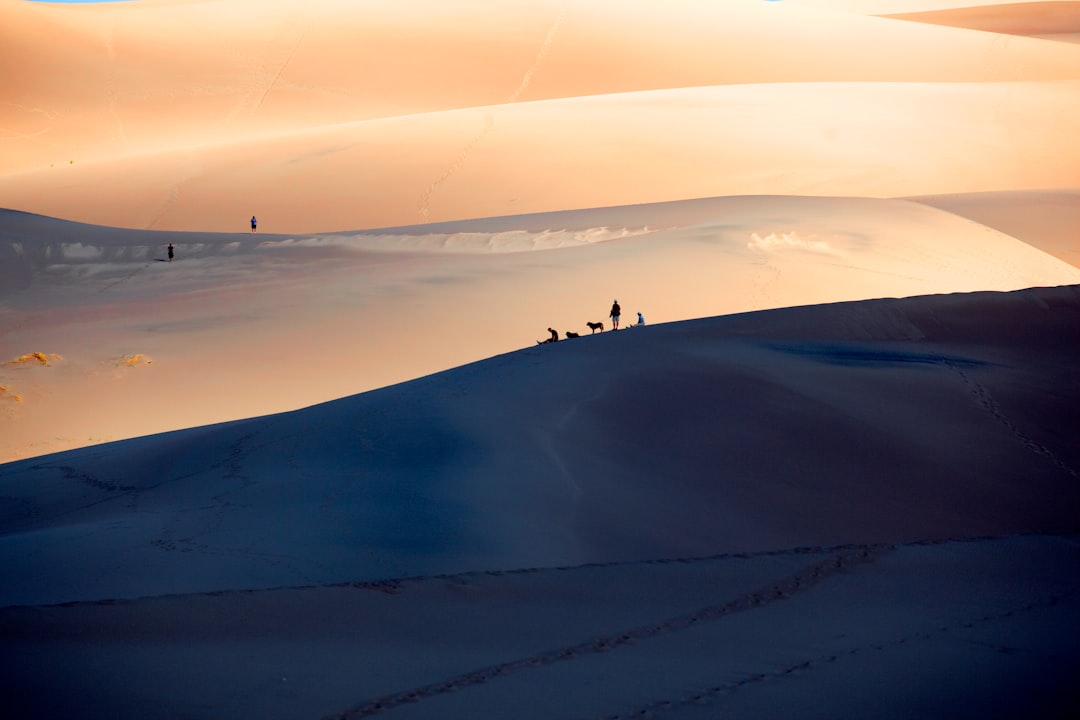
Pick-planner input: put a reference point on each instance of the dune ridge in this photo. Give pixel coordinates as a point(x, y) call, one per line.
point(496, 518)
point(730, 141)
point(447, 104)
point(827, 467)
point(595, 446)
point(1048, 220)
point(331, 315)
point(1027, 18)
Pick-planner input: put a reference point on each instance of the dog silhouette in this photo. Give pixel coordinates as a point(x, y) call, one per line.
point(595, 326)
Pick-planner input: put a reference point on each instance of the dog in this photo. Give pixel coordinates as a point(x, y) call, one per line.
point(571, 335)
point(595, 326)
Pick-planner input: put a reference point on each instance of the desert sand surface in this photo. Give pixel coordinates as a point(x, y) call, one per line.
point(242, 325)
point(1048, 220)
point(447, 110)
point(325, 470)
point(873, 499)
point(1031, 19)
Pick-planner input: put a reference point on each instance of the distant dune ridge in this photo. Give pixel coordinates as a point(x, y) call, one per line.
point(325, 470)
point(1028, 18)
point(445, 113)
point(1048, 220)
point(244, 324)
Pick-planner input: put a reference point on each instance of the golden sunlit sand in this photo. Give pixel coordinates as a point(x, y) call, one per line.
point(1033, 19)
point(525, 110)
point(324, 469)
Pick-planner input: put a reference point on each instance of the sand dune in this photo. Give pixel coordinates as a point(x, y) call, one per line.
point(1048, 220)
point(326, 316)
point(727, 634)
point(884, 440)
point(826, 139)
point(563, 454)
point(880, 7)
point(325, 470)
point(1028, 18)
point(433, 116)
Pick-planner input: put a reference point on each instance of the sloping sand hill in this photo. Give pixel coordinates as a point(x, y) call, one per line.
point(716, 515)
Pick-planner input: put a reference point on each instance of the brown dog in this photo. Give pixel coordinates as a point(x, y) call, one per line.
point(595, 326)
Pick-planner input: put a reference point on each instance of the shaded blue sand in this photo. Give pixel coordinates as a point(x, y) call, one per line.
point(857, 355)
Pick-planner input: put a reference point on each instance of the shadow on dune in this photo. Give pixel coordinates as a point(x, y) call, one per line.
point(875, 421)
point(848, 501)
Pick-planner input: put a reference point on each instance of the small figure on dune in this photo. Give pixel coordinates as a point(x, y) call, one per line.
point(595, 326)
point(571, 335)
point(253, 223)
point(170, 249)
point(640, 320)
point(554, 337)
point(614, 314)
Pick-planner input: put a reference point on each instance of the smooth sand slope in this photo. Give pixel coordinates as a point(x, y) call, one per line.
point(814, 139)
point(920, 459)
point(1034, 19)
point(241, 325)
point(833, 476)
point(663, 128)
point(1047, 220)
point(335, 116)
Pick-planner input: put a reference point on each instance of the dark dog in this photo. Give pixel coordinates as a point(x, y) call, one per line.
point(595, 326)
point(571, 335)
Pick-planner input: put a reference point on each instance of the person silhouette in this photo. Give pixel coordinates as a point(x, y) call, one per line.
point(170, 249)
point(253, 223)
point(614, 314)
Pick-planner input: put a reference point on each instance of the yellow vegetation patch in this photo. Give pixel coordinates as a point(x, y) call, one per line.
point(6, 394)
point(136, 359)
point(43, 358)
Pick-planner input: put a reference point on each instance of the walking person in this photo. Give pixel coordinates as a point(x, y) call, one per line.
point(614, 314)
point(253, 223)
point(170, 252)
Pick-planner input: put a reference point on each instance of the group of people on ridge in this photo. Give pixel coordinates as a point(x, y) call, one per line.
point(615, 314)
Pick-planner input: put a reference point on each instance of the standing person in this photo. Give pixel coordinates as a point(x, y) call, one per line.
point(170, 252)
point(614, 314)
point(253, 223)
